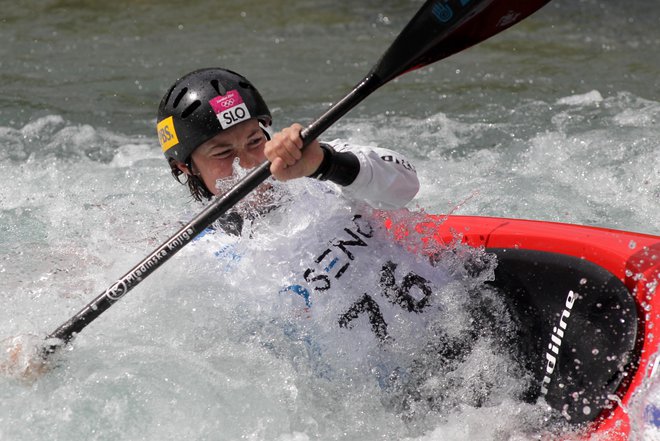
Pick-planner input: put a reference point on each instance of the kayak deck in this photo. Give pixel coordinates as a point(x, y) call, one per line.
point(585, 297)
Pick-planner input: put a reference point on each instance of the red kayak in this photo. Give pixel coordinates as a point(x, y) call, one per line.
point(585, 297)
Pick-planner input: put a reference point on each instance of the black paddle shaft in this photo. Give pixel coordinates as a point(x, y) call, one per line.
point(439, 29)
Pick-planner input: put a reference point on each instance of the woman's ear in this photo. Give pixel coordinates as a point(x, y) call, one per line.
point(183, 167)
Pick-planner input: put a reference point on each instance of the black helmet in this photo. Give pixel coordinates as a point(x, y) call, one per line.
point(202, 104)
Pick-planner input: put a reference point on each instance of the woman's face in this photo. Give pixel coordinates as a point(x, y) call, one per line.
point(213, 159)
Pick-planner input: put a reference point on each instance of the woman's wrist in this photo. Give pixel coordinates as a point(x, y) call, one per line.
point(339, 167)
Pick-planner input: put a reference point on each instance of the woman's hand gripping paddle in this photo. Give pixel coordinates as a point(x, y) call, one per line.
point(439, 29)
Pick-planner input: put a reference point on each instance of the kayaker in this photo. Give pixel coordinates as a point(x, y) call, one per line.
point(211, 118)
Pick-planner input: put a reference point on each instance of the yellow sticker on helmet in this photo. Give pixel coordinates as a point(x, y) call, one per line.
point(166, 134)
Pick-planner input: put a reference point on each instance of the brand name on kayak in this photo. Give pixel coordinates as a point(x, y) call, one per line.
point(443, 12)
point(122, 286)
point(556, 339)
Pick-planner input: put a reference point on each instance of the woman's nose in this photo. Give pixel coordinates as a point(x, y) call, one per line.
point(246, 160)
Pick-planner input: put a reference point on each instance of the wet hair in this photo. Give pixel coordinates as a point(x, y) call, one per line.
point(196, 186)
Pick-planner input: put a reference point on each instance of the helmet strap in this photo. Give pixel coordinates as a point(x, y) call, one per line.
point(267, 129)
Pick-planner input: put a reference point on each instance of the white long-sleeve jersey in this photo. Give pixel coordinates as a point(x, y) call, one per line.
point(386, 179)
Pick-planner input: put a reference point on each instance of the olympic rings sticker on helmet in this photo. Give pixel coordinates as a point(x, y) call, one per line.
point(166, 134)
point(230, 108)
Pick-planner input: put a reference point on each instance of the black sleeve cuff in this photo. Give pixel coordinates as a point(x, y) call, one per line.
point(339, 167)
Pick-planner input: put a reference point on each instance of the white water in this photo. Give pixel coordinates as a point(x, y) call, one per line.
point(203, 349)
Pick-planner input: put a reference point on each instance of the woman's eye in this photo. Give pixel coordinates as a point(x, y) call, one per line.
point(224, 154)
point(255, 142)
